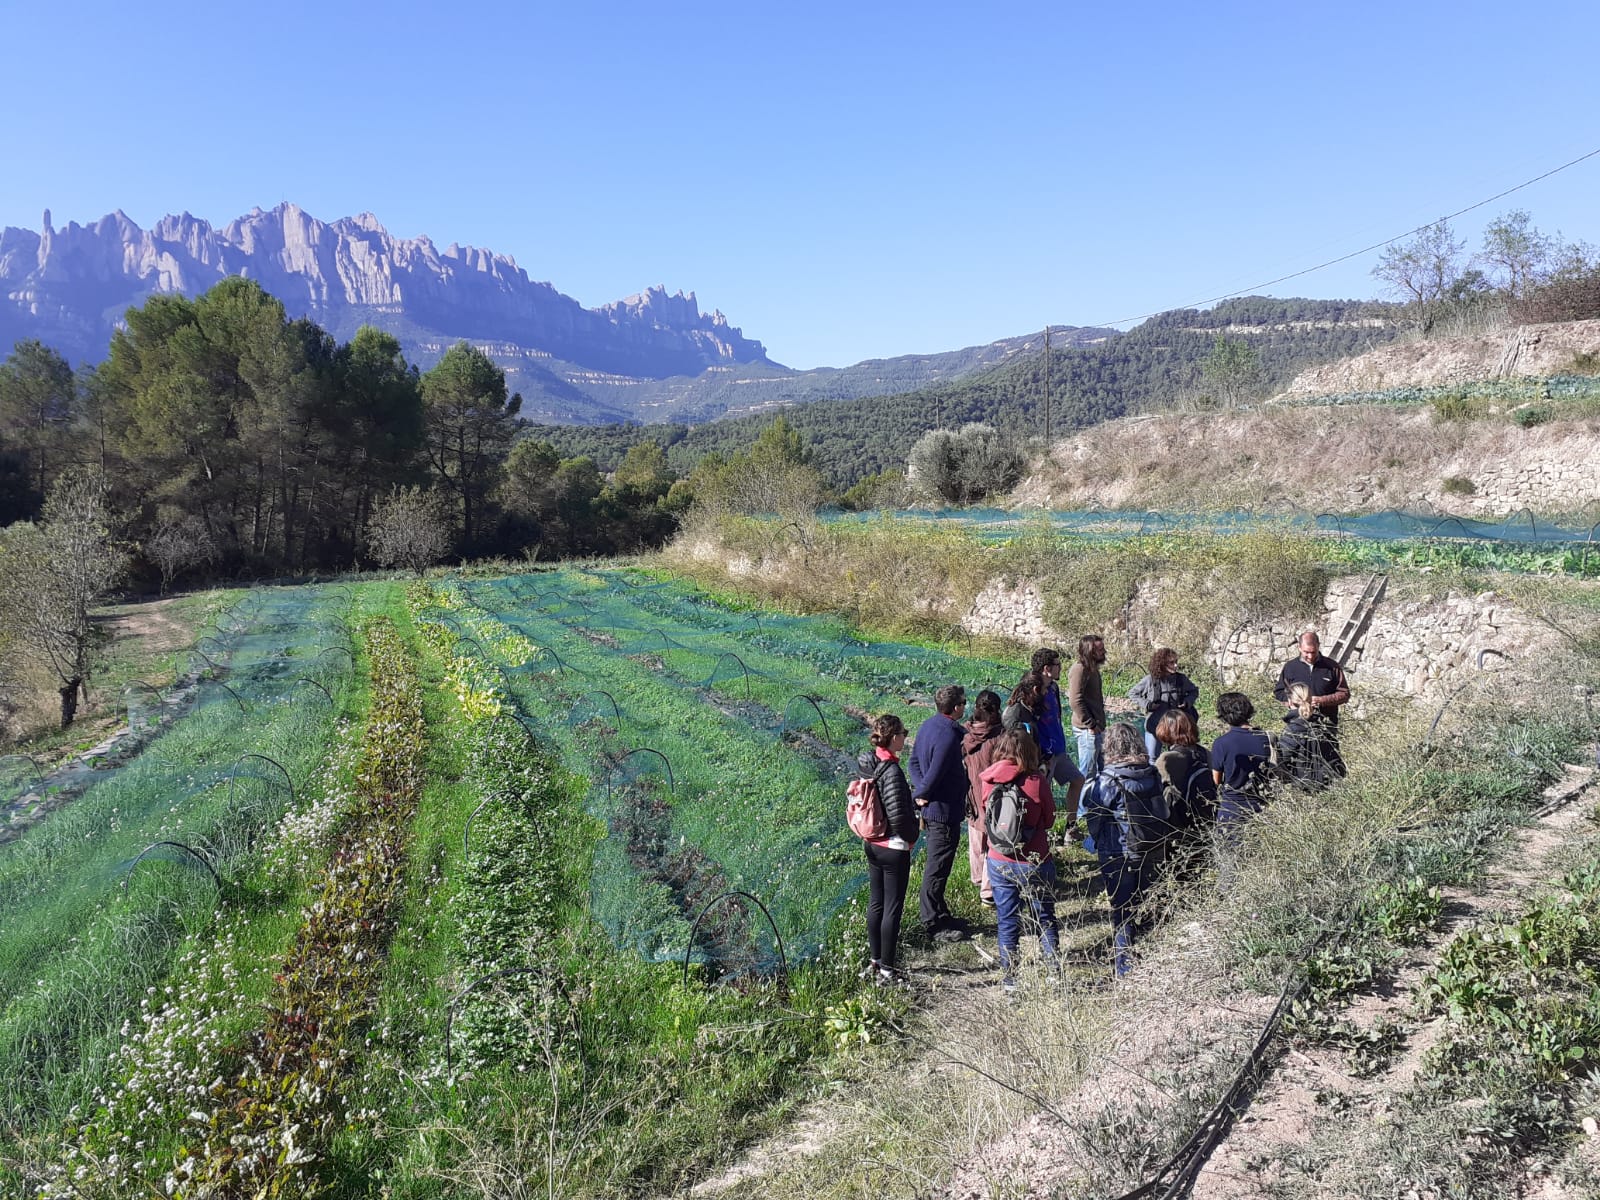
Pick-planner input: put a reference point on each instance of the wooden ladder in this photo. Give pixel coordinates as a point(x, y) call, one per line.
point(1349, 641)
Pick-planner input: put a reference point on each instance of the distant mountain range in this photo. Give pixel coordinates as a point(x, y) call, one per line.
point(651, 356)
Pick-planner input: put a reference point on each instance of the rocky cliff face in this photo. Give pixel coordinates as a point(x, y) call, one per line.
point(69, 287)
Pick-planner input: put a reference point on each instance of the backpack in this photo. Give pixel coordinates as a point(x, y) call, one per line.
point(1200, 795)
point(1002, 820)
point(1160, 813)
point(863, 809)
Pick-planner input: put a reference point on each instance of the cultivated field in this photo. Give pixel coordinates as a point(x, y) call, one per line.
point(540, 885)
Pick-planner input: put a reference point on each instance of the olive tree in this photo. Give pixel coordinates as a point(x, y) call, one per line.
point(56, 572)
point(965, 466)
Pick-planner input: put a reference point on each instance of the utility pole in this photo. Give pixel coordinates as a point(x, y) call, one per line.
point(1047, 388)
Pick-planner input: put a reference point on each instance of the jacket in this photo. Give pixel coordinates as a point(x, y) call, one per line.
point(1178, 763)
point(1127, 811)
point(1085, 696)
point(1155, 696)
point(1305, 751)
point(1177, 767)
point(898, 806)
point(1322, 678)
point(1038, 809)
point(1020, 716)
point(937, 774)
point(977, 751)
point(1051, 734)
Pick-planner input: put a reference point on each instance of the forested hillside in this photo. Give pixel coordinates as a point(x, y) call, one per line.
point(1151, 365)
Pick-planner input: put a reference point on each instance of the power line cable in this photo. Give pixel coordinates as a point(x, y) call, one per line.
point(1356, 253)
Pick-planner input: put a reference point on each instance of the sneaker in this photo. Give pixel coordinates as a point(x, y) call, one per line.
point(988, 901)
point(948, 936)
point(1008, 988)
point(889, 977)
point(871, 970)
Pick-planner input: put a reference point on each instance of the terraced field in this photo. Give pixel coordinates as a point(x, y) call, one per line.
point(543, 875)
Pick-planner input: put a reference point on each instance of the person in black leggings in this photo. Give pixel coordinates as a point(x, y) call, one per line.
point(888, 857)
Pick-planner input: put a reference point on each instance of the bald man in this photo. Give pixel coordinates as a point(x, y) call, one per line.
point(1329, 689)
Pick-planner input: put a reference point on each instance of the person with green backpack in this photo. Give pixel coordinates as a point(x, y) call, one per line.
point(1017, 810)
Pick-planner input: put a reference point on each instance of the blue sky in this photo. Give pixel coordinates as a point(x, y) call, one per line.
point(843, 180)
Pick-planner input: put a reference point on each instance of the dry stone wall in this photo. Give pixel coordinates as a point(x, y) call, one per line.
point(1424, 648)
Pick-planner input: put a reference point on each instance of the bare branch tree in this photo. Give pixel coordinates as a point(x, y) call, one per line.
point(55, 572)
point(1423, 269)
point(179, 543)
point(410, 529)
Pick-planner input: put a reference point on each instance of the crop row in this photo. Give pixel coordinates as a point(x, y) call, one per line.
point(100, 896)
point(271, 1124)
point(540, 1050)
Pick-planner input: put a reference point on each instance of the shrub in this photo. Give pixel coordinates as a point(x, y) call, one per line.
point(1533, 414)
point(965, 466)
point(1458, 485)
point(1458, 406)
point(887, 489)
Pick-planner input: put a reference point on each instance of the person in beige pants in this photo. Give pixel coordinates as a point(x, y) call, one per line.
point(977, 749)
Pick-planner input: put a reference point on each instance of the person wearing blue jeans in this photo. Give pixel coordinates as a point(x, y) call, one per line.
point(1022, 876)
point(1020, 886)
point(1087, 701)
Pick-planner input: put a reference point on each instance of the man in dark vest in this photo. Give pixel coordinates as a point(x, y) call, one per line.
point(1325, 681)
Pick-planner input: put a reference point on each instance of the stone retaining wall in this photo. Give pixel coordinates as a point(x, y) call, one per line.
point(1423, 648)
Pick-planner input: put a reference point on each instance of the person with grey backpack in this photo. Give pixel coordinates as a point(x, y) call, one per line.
point(1017, 809)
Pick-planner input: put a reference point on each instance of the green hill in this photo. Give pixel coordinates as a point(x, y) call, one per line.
point(1146, 367)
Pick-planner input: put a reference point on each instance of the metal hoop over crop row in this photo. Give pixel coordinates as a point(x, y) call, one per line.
point(694, 929)
point(727, 654)
point(326, 694)
point(507, 714)
point(616, 710)
point(233, 774)
point(466, 830)
point(237, 699)
point(802, 698)
point(183, 846)
point(8, 761)
point(350, 654)
point(1427, 741)
point(611, 774)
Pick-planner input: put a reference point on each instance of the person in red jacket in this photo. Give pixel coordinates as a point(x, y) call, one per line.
point(1029, 878)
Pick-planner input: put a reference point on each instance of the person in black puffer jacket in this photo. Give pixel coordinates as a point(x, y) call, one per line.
point(889, 857)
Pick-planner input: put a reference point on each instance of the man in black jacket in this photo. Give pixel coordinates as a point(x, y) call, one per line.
point(939, 783)
point(1329, 689)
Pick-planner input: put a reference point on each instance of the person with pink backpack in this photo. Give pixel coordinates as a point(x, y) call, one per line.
point(887, 839)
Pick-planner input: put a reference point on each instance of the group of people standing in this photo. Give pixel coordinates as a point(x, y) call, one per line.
point(1140, 789)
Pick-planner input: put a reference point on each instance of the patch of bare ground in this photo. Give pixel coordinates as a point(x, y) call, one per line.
point(1315, 1086)
point(155, 622)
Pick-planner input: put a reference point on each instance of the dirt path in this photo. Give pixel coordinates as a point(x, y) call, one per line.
point(1180, 1018)
point(1316, 1084)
